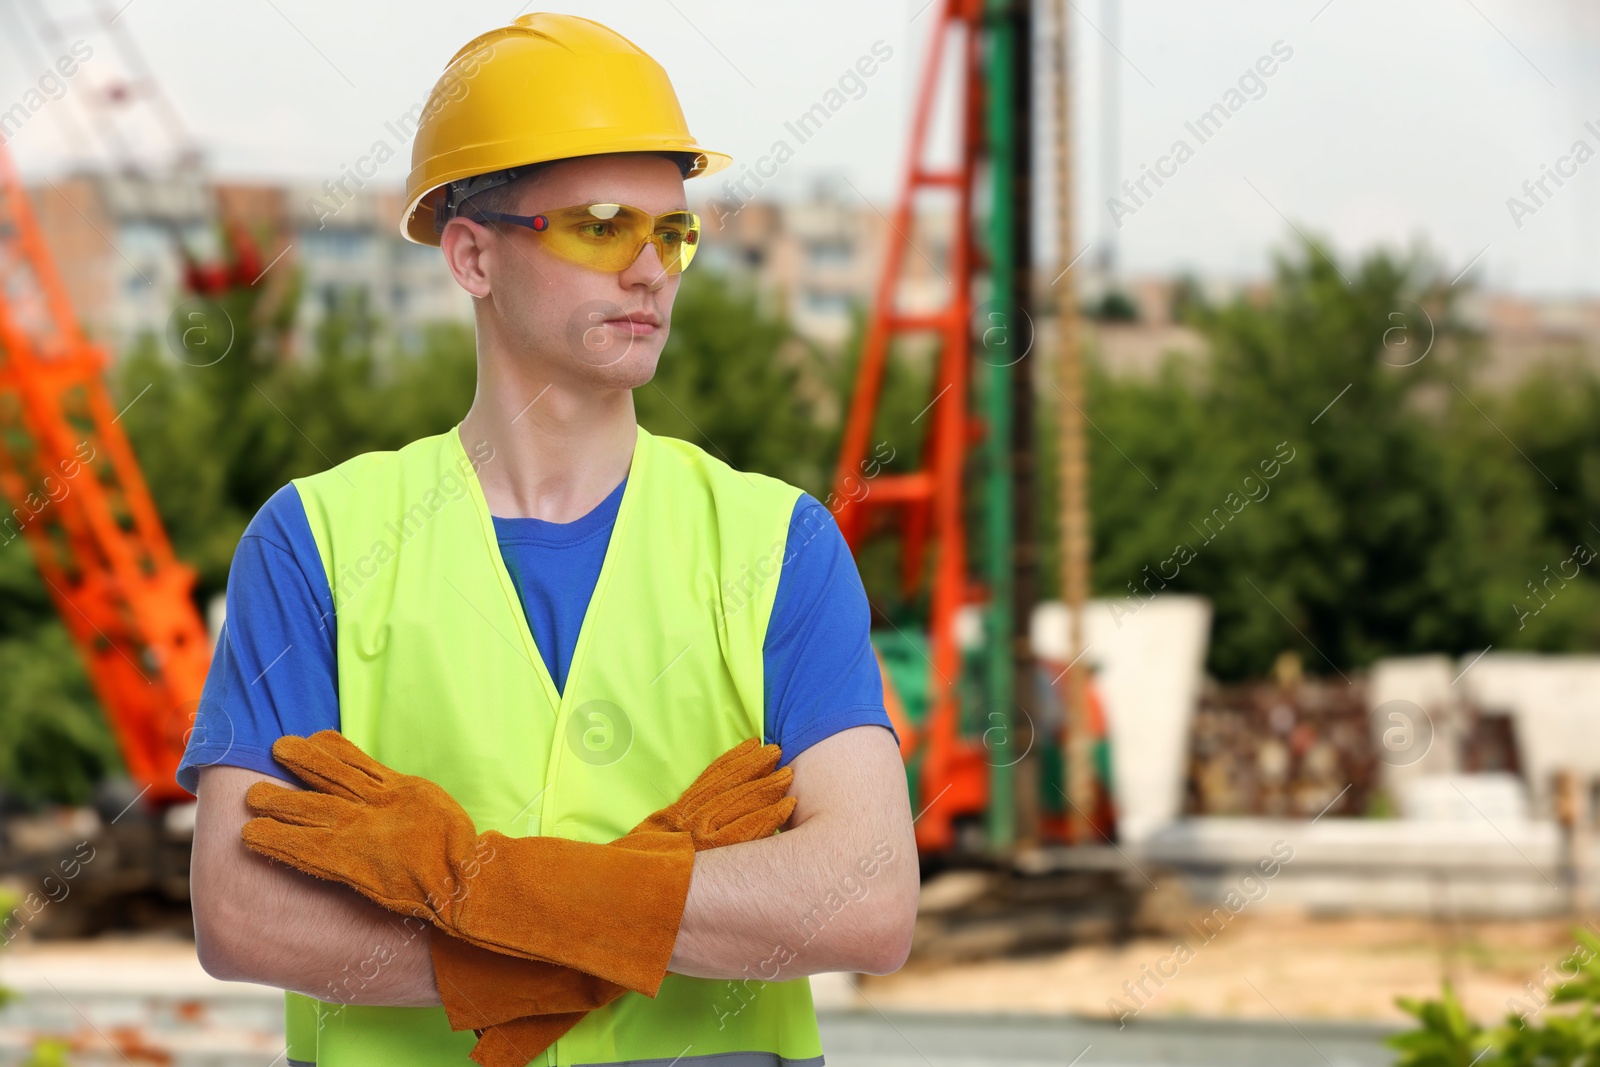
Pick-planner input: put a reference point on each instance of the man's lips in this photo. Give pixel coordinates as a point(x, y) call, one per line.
point(637, 325)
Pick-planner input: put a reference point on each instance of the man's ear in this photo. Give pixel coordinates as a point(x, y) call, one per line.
point(465, 244)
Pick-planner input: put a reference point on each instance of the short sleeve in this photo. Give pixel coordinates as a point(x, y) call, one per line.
point(273, 672)
point(821, 673)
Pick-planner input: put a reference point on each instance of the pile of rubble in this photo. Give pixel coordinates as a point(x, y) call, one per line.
point(1291, 747)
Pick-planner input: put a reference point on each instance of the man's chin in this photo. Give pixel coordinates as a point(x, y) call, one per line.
point(644, 377)
point(637, 369)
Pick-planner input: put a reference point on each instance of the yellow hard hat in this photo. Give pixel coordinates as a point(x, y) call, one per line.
point(545, 87)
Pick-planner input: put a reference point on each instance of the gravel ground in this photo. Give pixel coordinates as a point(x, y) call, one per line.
point(1261, 967)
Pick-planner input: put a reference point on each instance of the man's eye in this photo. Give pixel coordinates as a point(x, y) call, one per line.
point(671, 236)
point(596, 229)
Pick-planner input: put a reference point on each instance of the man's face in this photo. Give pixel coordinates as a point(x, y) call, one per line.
point(571, 322)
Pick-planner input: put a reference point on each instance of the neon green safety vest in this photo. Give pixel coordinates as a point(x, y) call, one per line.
point(439, 676)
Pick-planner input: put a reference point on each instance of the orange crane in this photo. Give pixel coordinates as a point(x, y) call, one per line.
point(67, 473)
point(79, 501)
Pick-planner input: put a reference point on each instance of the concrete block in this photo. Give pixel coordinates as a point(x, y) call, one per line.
point(1149, 662)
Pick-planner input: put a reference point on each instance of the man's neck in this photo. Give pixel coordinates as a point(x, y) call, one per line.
point(557, 451)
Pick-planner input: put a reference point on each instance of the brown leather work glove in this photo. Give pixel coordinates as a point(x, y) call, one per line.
point(611, 910)
point(402, 841)
point(515, 1044)
point(739, 797)
point(519, 1006)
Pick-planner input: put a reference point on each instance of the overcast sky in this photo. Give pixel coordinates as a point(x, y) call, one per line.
point(1390, 122)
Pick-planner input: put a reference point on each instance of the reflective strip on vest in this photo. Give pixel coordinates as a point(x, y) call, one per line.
point(439, 676)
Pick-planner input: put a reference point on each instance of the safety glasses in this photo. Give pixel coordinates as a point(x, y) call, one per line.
point(608, 237)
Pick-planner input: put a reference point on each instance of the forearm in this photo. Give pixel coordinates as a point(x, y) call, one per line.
point(835, 892)
point(259, 921)
point(789, 906)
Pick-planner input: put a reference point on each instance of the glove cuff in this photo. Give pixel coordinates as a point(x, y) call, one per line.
point(612, 910)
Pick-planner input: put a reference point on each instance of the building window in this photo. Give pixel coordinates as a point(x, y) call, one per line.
point(830, 253)
point(824, 304)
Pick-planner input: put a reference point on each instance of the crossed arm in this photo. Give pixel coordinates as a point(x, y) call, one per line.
point(837, 890)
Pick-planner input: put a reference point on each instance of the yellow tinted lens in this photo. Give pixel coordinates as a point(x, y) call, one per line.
point(609, 237)
point(596, 235)
point(677, 235)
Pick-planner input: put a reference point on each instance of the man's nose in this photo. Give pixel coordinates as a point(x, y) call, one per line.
point(646, 267)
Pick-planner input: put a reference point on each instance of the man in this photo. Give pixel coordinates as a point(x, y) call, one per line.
point(554, 615)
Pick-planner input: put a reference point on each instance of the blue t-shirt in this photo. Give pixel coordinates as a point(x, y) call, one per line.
point(274, 671)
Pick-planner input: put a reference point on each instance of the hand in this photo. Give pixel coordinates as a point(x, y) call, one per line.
point(361, 816)
point(738, 797)
point(481, 988)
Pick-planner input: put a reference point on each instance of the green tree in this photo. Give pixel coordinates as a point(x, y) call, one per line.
point(1404, 521)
